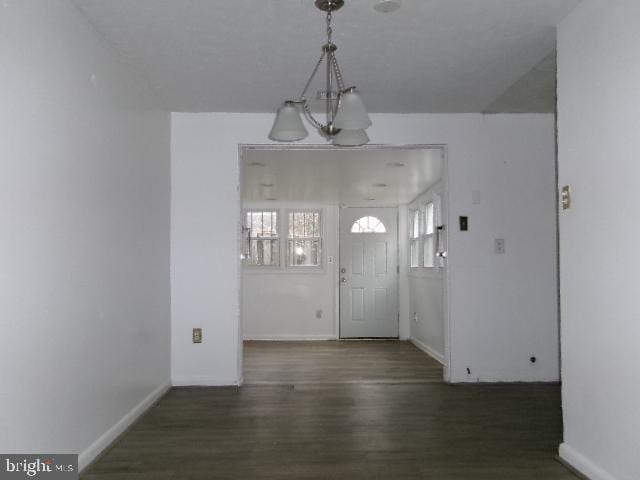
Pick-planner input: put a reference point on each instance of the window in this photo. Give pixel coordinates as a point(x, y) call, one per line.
point(424, 236)
point(429, 219)
point(300, 247)
point(429, 237)
point(414, 236)
point(305, 242)
point(368, 225)
point(264, 244)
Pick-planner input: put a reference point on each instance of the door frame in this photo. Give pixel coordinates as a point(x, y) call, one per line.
point(391, 148)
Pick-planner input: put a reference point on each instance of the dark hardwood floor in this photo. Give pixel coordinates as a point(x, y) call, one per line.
point(370, 427)
point(337, 362)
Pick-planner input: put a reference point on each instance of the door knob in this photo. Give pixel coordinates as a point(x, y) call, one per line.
point(343, 280)
point(343, 270)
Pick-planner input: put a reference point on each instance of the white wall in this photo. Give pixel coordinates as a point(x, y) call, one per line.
point(284, 303)
point(84, 203)
point(503, 308)
point(427, 290)
point(599, 125)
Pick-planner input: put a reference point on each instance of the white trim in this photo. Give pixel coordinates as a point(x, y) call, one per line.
point(204, 381)
point(428, 350)
point(445, 212)
point(284, 337)
point(90, 453)
point(582, 464)
point(336, 271)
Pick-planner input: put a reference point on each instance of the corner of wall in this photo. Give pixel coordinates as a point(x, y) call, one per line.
point(93, 451)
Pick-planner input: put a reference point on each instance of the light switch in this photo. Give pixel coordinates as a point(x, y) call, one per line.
point(197, 335)
point(565, 196)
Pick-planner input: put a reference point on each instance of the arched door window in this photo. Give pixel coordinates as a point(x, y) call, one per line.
point(368, 225)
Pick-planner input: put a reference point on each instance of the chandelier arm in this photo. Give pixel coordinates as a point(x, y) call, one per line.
point(307, 113)
point(329, 102)
point(313, 74)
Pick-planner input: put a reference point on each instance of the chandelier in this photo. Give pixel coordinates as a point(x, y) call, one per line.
point(346, 116)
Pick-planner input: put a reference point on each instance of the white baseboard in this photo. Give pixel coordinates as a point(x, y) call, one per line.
point(428, 350)
point(290, 338)
point(204, 381)
point(582, 464)
point(90, 453)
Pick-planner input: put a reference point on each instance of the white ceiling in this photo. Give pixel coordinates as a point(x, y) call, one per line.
point(249, 55)
point(535, 92)
point(334, 176)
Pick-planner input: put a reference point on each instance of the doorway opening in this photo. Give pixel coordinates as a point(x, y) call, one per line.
point(342, 244)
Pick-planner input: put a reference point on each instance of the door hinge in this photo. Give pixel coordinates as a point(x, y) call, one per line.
point(398, 269)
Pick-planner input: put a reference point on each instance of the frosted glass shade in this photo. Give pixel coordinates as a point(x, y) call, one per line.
point(288, 126)
point(351, 138)
point(352, 114)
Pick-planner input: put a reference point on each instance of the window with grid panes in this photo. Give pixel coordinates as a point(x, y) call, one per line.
point(414, 237)
point(429, 236)
point(304, 244)
point(264, 243)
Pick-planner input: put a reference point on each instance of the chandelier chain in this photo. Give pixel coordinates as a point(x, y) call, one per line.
point(336, 69)
point(307, 113)
point(333, 62)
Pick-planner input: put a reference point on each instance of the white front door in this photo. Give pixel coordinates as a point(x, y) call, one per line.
point(369, 273)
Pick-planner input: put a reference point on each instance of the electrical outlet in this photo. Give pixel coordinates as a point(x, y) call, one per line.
point(415, 316)
point(499, 246)
point(197, 335)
